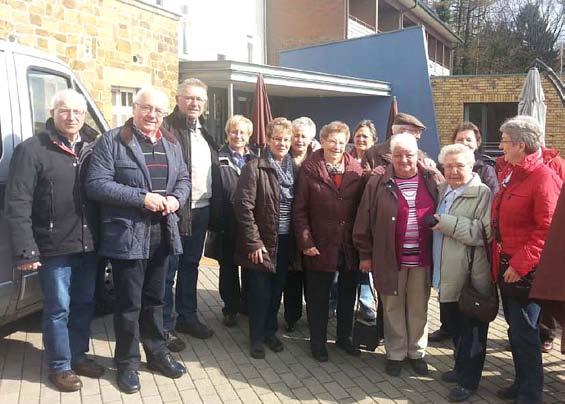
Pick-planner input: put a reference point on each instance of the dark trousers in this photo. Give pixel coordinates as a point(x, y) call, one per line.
point(187, 277)
point(140, 288)
point(294, 289)
point(547, 325)
point(318, 297)
point(469, 342)
point(265, 293)
point(443, 315)
point(522, 317)
point(233, 295)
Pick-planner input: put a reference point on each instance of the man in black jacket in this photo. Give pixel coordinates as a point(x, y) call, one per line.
point(50, 231)
point(199, 214)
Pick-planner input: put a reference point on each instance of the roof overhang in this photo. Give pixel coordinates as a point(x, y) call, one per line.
point(280, 81)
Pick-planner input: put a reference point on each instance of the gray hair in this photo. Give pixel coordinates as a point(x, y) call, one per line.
point(306, 124)
point(191, 82)
point(404, 140)
point(457, 148)
point(524, 129)
point(159, 95)
point(68, 96)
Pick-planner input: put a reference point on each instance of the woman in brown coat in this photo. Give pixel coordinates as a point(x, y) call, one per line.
point(329, 188)
point(395, 244)
point(263, 205)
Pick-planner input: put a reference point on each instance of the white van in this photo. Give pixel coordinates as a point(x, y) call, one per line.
point(28, 79)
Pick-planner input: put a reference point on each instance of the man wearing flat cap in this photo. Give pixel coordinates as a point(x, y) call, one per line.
point(379, 155)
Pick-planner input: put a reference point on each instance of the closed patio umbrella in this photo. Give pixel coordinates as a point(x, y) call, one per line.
point(532, 99)
point(261, 115)
point(391, 115)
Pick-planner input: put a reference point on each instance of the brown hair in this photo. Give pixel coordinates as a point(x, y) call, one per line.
point(366, 123)
point(334, 127)
point(279, 124)
point(467, 126)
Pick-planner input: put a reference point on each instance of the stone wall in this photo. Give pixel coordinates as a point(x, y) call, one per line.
point(107, 43)
point(452, 92)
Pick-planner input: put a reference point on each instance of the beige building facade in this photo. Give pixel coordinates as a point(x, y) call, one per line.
point(114, 46)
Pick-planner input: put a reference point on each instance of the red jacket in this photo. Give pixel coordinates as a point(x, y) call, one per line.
point(323, 214)
point(522, 212)
point(551, 158)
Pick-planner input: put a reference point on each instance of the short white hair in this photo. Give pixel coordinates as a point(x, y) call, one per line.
point(71, 98)
point(159, 95)
point(405, 141)
point(306, 124)
point(457, 148)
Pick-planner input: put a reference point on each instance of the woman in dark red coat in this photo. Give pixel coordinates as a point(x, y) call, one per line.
point(522, 212)
point(329, 189)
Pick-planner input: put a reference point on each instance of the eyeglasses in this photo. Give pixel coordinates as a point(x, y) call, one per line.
point(68, 111)
point(145, 108)
point(197, 99)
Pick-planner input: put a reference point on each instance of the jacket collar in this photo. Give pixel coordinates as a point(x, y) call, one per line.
point(179, 121)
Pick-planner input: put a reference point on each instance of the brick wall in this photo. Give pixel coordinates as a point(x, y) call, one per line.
point(99, 40)
point(297, 23)
point(452, 92)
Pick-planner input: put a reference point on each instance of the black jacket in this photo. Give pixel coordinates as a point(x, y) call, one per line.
point(177, 123)
point(46, 208)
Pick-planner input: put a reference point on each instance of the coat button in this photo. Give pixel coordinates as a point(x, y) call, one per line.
point(341, 222)
point(85, 226)
point(33, 253)
point(393, 218)
point(86, 247)
point(74, 164)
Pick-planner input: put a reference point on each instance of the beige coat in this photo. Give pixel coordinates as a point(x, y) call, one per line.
point(461, 228)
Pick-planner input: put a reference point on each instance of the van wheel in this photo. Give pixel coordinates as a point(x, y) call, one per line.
point(105, 291)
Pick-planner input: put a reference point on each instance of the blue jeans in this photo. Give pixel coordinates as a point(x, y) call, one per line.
point(68, 283)
point(522, 317)
point(187, 277)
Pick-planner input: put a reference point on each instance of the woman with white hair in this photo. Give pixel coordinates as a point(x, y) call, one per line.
point(459, 254)
point(395, 244)
point(521, 214)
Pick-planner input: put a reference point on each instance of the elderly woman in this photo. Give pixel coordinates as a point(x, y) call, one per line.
point(521, 214)
point(330, 184)
point(394, 244)
point(463, 215)
point(364, 136)
point(303, 133)
point(232, 157)
point(263, 207)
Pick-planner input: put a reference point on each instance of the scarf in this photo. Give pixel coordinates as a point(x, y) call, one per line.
point(285, 174)
point(336, 169)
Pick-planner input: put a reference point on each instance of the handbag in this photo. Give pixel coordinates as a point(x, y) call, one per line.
point(519, 289)
point(212, 245)
point(365, 334)
point(474, 304)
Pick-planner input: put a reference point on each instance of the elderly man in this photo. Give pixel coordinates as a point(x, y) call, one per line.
point(47, 213)
point(201, 157)
point(138, 175)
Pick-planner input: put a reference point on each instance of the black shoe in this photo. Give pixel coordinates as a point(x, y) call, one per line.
point(174, 341)
point(195, 329)
point(320, 353)
point(165, 364)
point(380, 341)
point(393, 368)
point(256, 350)
point(508, 393)
point(438, 335)
point(346, 345)
point(459, 393)
point(420, 366)
point(128, 381)
point(290, 327)
point(274, 344)
point(450, 376)
point(230, 320)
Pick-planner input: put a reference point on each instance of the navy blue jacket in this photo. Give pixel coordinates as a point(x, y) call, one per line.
point(118, 178)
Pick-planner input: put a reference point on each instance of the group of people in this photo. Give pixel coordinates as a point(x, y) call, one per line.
point(296, 220)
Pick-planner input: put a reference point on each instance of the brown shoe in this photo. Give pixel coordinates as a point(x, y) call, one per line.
point(88, 368)
point(546, 346)
point(66, 381)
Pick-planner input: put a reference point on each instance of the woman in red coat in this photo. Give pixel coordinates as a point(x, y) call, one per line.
point(330, 185)
point(522, 212)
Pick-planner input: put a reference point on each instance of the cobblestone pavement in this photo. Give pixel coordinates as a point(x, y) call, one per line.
point(221, 371)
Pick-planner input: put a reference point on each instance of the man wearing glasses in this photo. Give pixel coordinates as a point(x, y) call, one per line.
point(199, 214)
point(138, 175)
point(51, 232)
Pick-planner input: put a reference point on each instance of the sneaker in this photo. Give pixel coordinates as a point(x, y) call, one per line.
point(195, 329)
point(346, 345)
point(459, 393)
point(450, 376)
point(393, 368)
point(230, 320)
point(274, 344)
point(256, 350)
point(546, 346)
point(420, 366)
point(174, 341)
point(438, 335)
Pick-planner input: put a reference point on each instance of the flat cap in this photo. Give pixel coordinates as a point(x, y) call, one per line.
point(406, 119)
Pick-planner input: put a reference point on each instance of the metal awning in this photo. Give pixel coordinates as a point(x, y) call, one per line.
point(280, 81)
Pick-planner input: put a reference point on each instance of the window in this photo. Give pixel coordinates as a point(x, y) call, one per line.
point(122, 104)
point(42, 87)
point(488, 117)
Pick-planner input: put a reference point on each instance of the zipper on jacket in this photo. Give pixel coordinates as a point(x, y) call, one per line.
point(51, 206)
